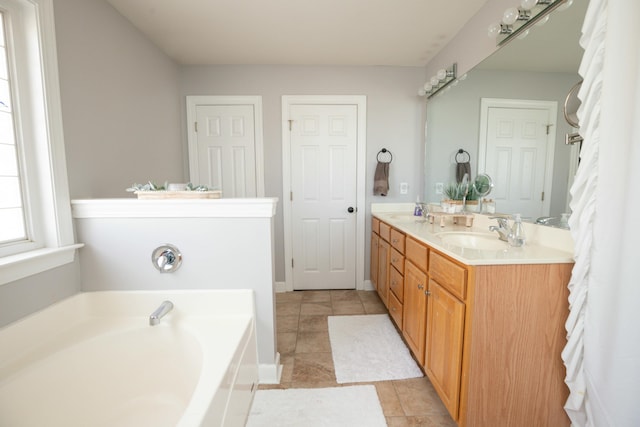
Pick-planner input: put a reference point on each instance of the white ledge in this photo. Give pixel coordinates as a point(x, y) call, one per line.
point(19, 266)
point(174, 208)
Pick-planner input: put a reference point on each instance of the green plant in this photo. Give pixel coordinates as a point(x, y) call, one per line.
point(151, 186)
point(454, 191)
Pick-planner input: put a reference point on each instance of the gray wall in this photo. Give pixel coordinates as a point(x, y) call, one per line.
point(120, 102)
point(453, 121)
point(395, 119)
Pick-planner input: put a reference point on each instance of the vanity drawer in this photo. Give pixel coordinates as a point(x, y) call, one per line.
point(395, 310)
point(385, 231)
point(375, 225)
point(416, 252)
point(396, 284)
point(448, 274)
point(397, 240)
point(397, 260)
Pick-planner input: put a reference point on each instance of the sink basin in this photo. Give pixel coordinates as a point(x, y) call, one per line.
point(470, 240)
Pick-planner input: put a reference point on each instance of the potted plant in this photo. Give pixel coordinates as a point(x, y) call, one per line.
point(455, 196)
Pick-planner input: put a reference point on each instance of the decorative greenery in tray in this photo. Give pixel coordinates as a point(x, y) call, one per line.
point(151, 186)
point(454, 191)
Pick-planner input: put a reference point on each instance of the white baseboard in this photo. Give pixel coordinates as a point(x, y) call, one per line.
point(368, 286)
point(270, 373)
point(280, 287)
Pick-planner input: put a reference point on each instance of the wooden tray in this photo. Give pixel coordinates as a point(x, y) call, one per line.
point(179, 194)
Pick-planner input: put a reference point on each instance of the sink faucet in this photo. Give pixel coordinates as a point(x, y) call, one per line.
point(502, 228)
point(160, 312)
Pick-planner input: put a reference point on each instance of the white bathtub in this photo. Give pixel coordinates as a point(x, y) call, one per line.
point(93, 360)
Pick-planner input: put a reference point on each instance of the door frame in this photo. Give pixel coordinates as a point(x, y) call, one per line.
point(551, 107)
point(192, 136)
point(360, 101)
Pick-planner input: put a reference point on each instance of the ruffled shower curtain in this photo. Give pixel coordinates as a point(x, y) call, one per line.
point(602, 355)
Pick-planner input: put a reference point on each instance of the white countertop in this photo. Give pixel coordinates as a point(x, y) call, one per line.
point(545, 245)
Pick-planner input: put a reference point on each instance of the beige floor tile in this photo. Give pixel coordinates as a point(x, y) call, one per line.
point(313, 368)
point(347, 308)
point(288, 308)
point(344, 295)
point(428, 402)
point(287, 323)
point(374, 307)
point(313, 342)
point(316, 296)
point(315, 308)
point(287, 342)
point(314, 323)
point(368, 296)
point(289, 296)
point(389, 399)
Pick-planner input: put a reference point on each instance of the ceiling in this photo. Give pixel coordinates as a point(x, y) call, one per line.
point(299, 32)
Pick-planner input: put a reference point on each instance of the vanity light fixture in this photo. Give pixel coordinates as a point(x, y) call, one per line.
point(438, 82)
point(516, 20)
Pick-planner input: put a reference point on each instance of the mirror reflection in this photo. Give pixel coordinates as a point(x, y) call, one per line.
point(508, 115)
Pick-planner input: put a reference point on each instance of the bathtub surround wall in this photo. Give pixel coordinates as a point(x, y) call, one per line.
point(225, 244)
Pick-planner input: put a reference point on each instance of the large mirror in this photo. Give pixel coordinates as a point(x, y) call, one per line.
point(507, 113)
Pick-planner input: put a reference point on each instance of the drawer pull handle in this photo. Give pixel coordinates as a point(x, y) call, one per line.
point(394, 240)
point(427, 293)
point(420, 286)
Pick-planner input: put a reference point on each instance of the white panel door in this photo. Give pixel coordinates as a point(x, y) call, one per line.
point(226, 149)
point(516, 158)
point(323, 199)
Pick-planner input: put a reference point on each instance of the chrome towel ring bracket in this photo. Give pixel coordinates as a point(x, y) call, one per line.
point(166, 258)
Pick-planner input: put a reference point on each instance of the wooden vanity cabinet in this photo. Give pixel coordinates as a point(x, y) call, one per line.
point(373, 265)
point(489, 337)
point(389, 268)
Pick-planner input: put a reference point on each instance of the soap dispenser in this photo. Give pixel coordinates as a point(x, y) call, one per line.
point(417, 211)
point(516, 236)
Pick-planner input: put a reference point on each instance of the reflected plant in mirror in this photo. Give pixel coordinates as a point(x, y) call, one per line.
point(514, 97)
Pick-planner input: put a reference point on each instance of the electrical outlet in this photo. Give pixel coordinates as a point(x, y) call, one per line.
point(404, 187)
point(439, 188)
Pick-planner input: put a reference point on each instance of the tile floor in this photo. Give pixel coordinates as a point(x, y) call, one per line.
point(305, 351)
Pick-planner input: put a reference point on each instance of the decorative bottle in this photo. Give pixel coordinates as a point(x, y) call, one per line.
point(517, 237)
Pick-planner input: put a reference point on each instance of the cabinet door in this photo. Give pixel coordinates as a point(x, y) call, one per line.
point(384, 258)
point(414, 309)
point(443, 353)
point(373, 271)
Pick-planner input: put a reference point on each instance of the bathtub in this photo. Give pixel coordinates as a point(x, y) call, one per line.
point(94, 360)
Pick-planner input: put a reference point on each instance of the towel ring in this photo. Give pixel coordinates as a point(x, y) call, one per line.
point(384, 151)
point(461, 151)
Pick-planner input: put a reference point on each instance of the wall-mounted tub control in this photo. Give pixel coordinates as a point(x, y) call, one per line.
point(166, 258)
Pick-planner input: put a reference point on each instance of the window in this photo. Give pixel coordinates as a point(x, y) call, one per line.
point(35, 216)
point(11, 208)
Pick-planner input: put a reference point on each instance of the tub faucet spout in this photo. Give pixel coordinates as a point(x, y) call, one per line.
point(160, 312)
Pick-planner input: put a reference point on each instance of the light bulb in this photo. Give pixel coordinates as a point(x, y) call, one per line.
point(442, 74)
point(434, 81)
point(510, 16)
point(528, 4)
point(566, 6)
point(428, 87)
point(494, 30)
point(523, 34)
point(421, 92)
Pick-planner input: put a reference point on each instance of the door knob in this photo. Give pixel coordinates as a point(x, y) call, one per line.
point(350, 209)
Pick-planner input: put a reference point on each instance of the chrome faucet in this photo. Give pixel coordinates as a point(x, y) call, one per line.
point(160, 312)
point(502, 228)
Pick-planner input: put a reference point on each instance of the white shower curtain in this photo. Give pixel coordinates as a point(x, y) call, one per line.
point(602, 355)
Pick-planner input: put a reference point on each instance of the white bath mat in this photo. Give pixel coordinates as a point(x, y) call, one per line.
point(368, 348)
point(353, 406)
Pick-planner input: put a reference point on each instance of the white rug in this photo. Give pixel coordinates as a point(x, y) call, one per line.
point(352, 406)
point(368, 348)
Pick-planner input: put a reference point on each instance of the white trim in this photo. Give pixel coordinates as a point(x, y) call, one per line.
point(175, 208)
point(270, 373)
point(360, 101)
point(47, 189)
point(16, 267)
point(551, 107)
point(192, 136)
